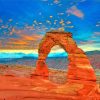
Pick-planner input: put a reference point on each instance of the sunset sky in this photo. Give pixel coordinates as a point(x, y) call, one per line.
point(23, 23)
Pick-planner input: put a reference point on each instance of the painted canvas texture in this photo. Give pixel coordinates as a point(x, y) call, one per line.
point(49, 50)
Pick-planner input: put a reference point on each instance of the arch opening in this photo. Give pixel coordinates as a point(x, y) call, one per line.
point(57, 58)
point(57, 62)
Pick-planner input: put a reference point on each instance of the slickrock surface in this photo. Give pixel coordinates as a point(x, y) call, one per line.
point(16, 83)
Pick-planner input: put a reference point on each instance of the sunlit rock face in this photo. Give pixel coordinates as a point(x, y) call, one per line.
point(79, 64)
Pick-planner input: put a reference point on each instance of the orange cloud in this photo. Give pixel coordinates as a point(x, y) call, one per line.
point(75, 11)
point(16, 42)
point(0, 43)
point(32, 37)
point(24, 40)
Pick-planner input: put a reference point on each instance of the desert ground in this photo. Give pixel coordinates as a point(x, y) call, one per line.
point(18, 83)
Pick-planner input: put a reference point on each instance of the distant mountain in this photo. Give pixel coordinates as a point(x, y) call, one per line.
point(59, 61)
point(51, 55)
point(92, 52)
point(16, 55)
point(31, 55)
point(94, 57)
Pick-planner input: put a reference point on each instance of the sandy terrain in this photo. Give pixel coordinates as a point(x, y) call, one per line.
point(17, 83)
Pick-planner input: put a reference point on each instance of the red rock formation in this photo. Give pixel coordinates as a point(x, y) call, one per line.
point(79, 64)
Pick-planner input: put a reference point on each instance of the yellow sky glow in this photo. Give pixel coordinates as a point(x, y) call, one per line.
point(54, 50)
point(28, 51)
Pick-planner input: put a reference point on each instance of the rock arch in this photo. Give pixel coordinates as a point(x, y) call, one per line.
point(79, 64)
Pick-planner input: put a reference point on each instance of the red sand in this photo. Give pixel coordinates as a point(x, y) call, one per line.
point(16, 84)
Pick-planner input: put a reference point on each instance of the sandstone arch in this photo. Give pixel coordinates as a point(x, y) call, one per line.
point(79, 65)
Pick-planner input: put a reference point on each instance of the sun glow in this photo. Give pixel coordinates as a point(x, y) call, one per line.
point(29, 51)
